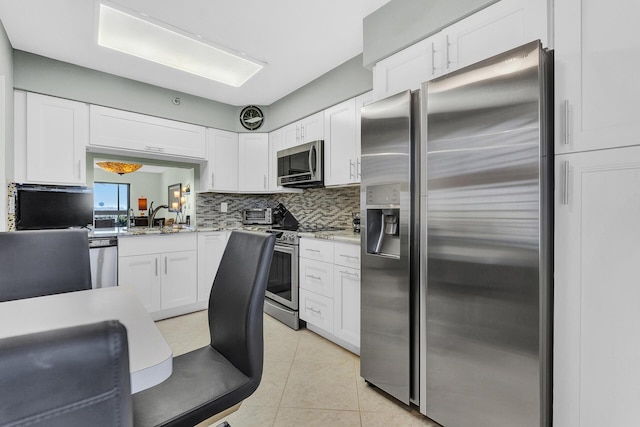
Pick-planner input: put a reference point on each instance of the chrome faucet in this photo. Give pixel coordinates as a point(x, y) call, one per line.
point(153, 213)
point(132, 216)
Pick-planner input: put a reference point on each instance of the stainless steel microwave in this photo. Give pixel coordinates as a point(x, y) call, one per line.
point(301, 166)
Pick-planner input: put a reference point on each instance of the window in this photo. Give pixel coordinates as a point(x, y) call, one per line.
point(110, 204)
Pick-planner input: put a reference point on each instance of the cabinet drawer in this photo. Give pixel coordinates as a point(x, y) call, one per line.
point(141, 245)
point(320, 250)
point(316, 276)
point(317, 310)
point(347, 255)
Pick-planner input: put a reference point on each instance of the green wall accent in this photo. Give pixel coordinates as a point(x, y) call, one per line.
point(48, 76)
point(343, 82)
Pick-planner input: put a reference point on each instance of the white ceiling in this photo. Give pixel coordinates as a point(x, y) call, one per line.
point(299, 40)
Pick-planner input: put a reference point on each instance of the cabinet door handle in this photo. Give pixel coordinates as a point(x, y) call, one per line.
point(349, 273)
point(446, 50)
point(311, 276)
point(565, 119)
point(212, 180)
point(349, 256)
point(79, 169)
point(433, 59)
point(351, 169)
point(264, 182)
point(565, 182)
point(297, 134)
point(301, 132)
point(312, 250)
point(165, 266)
point(315, 310)
point(359, 169)
point(156, 266)
point(155, 149)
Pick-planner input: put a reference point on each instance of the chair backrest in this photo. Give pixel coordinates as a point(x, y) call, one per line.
point(67, 377)
point(43, 262)
point(237, 300)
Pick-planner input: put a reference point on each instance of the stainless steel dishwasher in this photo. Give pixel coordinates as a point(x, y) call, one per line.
point(103, 252)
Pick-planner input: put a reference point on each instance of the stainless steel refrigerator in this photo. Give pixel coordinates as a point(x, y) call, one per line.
point(389, 202)
point(460, 325)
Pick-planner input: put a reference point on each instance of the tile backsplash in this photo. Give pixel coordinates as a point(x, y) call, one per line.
point(315, 206)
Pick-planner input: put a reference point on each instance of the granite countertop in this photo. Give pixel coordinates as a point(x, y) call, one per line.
point(346, 235)
point(342, 235)
point(137, 231)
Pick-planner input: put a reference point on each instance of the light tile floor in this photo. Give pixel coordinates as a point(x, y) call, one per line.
point(307, 380)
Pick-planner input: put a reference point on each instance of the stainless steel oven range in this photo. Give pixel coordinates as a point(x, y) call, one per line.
point(281, 298)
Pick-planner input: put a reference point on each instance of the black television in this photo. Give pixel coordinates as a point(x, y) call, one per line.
point(40, 207)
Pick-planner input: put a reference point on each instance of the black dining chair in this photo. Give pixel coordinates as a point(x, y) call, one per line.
point(217, 378)
point(75, 376)
point(43, 262)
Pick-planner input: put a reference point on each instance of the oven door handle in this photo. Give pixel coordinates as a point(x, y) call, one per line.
point(312, 161)
point(286, 249)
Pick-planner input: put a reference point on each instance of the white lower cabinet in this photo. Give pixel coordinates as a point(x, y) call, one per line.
point(316, 310)
point(330, 290)
point(179, 283)
point(142, 274)
point(596, 292)
point(161, 270)
point(211, 246)
point(316, 276)
point(346, 304)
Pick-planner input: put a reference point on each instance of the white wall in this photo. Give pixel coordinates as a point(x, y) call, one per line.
point(6, 121)
point(141, 184)
point(153, 186)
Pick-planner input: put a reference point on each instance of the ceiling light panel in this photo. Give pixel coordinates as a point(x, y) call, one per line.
point(126, 33)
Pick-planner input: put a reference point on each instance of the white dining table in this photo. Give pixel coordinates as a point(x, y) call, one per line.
point(150, 357)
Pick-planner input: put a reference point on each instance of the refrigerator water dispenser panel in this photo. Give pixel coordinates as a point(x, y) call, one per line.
point(383, 217)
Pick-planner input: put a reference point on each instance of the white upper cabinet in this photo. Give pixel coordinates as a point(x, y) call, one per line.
point(275, 144)
point(51, 136)
point(408, 68)
point(597, 56)
point(124, 132)
point(342, 141)
point(502, 26)
point(361, 101)
point(253, 162)
point(340, 160)
point(309, 129)
point(220, 172)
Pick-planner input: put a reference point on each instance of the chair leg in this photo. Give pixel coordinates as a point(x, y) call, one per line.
point(209, 421)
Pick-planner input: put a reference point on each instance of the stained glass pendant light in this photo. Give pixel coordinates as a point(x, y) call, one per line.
point(119, 167)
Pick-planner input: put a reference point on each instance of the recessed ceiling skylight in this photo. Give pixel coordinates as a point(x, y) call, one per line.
point(134, 36)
